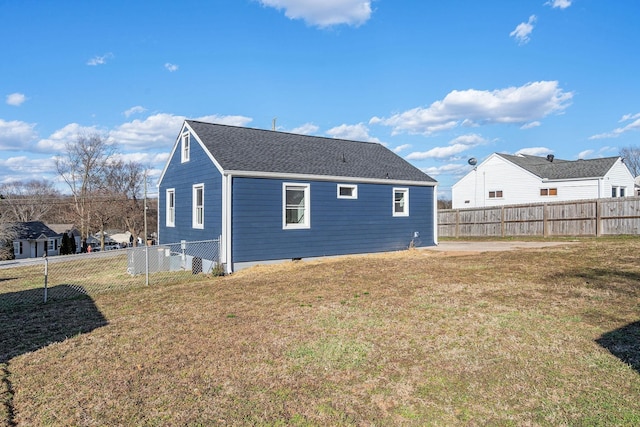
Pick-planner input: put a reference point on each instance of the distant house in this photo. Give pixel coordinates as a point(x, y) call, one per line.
point(34, 239)
point(71, 231)
point(504, 179)
point(274, 196)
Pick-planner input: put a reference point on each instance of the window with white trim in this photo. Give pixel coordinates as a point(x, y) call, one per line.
point(495, 194)
point(296, 206)
point(618, 191)
point(17, 248)
point(346, 191)
point(51, 245)
point(171, 207)
point(185, 147)
point(198, 206)
point(400, 202)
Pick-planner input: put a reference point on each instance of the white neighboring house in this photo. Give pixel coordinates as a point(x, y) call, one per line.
point(34, 239)
point(504, 179)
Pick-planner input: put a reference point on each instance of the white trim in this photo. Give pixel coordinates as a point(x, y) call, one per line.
point(169, 210)
point(194, 208)
point(405, 210)
point(225, 245)
point(354, 191)
point(329, 178)
point(306, 222)
point(435, 216)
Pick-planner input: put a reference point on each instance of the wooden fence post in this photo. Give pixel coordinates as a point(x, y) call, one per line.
point(545, 219)
point(598, 218)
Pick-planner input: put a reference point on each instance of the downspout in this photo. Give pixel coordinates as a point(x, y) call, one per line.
point(435, 214)
point(225, 244)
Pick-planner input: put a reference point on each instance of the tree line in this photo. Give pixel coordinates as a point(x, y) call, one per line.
point(106, 192)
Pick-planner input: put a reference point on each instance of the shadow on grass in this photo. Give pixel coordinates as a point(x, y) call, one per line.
point(624, 343)
point(27, 324)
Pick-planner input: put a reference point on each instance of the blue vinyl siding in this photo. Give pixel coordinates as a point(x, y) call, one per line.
point(182, 177)
point(338, 226)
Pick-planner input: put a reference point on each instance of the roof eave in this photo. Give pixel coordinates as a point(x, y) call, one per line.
point(330, 178)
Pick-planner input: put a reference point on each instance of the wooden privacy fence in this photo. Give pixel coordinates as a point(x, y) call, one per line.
point(596, 217)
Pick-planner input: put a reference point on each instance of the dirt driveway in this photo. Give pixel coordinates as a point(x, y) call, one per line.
point(458, 247)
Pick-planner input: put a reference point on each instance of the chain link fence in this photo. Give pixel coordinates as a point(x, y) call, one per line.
point(63, 277)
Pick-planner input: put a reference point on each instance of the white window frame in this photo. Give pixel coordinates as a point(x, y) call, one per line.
point(495, 194)
point(306, 217)
point(17, 248)
point(354, 191)
point(405, 209)
point(197, 220)
point(51, 244)
point(170, 219)
point(185, 147)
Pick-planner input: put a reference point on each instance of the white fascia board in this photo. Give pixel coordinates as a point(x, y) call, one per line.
point(590, 178)
point(331, 178)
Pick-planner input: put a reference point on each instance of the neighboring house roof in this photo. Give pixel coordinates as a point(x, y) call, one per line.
point(243, 149)
point(64, 228)
point(32, 230)
point(562, 169)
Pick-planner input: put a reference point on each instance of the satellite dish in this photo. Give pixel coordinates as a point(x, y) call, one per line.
point(472, 161)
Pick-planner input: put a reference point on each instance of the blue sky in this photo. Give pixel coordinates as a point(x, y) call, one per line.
point(438, 82)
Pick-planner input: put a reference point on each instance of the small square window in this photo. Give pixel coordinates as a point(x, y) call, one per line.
point(496, 194)
point(347, 191)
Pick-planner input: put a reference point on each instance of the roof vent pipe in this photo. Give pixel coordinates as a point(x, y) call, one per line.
point(550, 157)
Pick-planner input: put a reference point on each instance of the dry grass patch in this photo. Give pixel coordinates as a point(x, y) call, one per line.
point(409, 338)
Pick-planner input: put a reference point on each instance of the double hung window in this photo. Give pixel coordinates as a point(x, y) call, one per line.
point(198, 206)
point(296, 206)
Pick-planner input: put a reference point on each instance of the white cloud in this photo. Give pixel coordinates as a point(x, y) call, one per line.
point(171, 67)
point(531, 125)
point(100, 60)
point(324, 13)
point(305, 129)
point(562, 4)
point(56, 142)
point(523, 30)
point(15, 135)
point(134, 110)
point(584, 154)
point(226, 120)
point(451, 168)
point(359, 132)
point(160, 130)
point(16, 99)
point(25, 168)
point(523, 104)
point(535, 151)
point(456, 146)
point(402, 147)
point(633, 126)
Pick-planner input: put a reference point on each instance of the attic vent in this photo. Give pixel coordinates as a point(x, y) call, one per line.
point(550, 157)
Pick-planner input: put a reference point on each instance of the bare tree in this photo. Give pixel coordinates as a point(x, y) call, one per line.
point(631, 156)
point(83, 167)
point(126, 181)
point(28, 200)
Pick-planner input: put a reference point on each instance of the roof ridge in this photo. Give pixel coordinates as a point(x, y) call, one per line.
point(283, 132)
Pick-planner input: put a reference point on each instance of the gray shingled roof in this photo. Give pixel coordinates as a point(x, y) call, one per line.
point(562, 169)
point(32, 230)
point(257, 150)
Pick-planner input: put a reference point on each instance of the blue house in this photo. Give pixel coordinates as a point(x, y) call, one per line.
point(274, 196)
